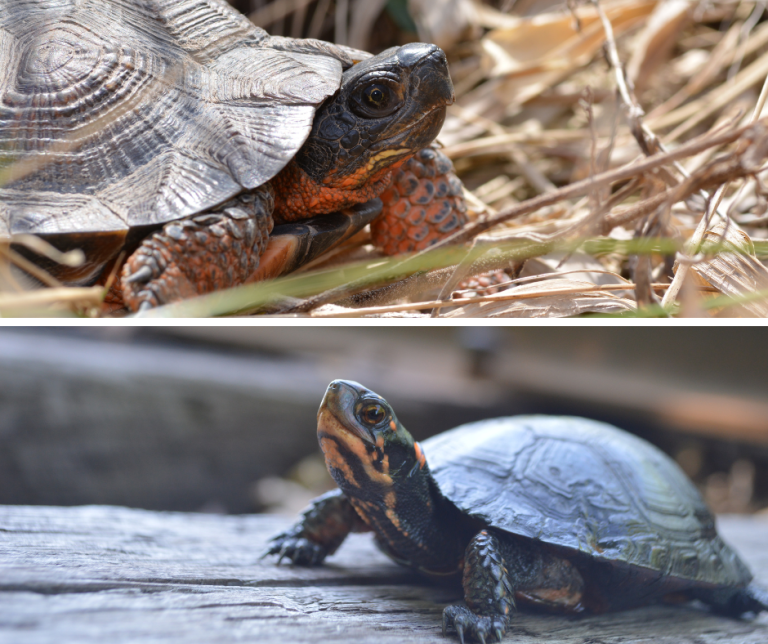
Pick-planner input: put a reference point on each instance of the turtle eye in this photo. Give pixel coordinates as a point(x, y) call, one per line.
point(375, 100)
point(376, 96)
point(372, 414)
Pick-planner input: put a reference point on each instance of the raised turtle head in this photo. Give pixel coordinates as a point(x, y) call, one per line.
point(388, 108)
point(383, 472)
point(365, 446)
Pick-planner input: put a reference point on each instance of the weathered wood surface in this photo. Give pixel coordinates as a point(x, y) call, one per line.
point(109, 574)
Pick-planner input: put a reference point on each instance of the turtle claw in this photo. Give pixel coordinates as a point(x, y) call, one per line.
point(144, 274)
point(472, 627)
point(298, 549)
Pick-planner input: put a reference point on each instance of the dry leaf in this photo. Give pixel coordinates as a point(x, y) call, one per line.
point(735, 273)
point(551, 43)
point(443, 22)
point(527, 56)
point(657, 40)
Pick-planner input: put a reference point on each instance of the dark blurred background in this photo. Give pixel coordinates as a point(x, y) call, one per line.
point(374, 25)
point(222, 419)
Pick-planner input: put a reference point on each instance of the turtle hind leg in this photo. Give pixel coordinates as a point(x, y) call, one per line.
point(487, 591)
point(735, 602)
point(199, 254)
point(754, 598)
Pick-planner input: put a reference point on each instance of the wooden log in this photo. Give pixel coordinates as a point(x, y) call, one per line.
point(111, 574)
point(166, 427)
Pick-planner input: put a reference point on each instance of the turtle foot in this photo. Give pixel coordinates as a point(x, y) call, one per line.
point(758, 598)
point(200, 254)
point(472, 627)
point(320, 531)
point(298, 549)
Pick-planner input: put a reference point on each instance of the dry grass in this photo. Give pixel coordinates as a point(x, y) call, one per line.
point(613, 154)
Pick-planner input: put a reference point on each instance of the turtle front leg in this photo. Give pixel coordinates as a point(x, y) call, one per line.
point(321, 530)
point(488, 593)
point(423, 205)
point(200, 254)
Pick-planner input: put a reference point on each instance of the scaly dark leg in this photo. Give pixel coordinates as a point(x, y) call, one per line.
point(734, 602)
point(200, 254)
point(322, 528)
point(488, 593)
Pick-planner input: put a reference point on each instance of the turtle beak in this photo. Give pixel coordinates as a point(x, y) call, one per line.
point(431, 66)
point(337, 410)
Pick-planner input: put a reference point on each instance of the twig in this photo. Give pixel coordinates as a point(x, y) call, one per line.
point(407, 287)
point(634, 111)
point(475, 263)
point(702, 108)
point(717, 172)
point(548, 276)
point(497, 297)
point(32, 269)
point(66, 295)
point(746, 28)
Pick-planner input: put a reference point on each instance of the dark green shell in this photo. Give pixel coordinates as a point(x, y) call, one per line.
point(585, 486)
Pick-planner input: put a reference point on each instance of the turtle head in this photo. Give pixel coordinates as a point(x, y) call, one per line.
point(388, 108)
point(366, 448)
point(383, 473)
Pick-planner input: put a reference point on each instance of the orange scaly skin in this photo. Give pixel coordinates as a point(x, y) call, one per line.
point(423, 205)
point(297, 196)
point(198, 254)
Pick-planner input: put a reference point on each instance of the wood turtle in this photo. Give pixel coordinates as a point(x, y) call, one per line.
point(563, 513)
point(176, 132)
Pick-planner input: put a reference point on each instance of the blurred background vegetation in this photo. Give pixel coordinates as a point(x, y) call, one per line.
point(222, 419)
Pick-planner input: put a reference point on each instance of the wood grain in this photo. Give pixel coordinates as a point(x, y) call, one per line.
point(109, 574)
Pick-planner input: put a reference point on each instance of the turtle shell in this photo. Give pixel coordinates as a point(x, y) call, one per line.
point(586, 486)
point(123, 113)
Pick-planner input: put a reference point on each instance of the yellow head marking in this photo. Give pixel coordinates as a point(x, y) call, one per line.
point(335, 460)
point(420, 455)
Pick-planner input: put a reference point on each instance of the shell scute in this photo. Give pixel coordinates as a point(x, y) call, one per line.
point(156, 109)
point(585, 486)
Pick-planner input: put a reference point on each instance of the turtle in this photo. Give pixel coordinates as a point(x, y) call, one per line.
point(566, 514)
point(177, 133)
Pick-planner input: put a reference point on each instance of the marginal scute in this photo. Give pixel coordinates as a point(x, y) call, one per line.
point(585, 486)
point(52, 213)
